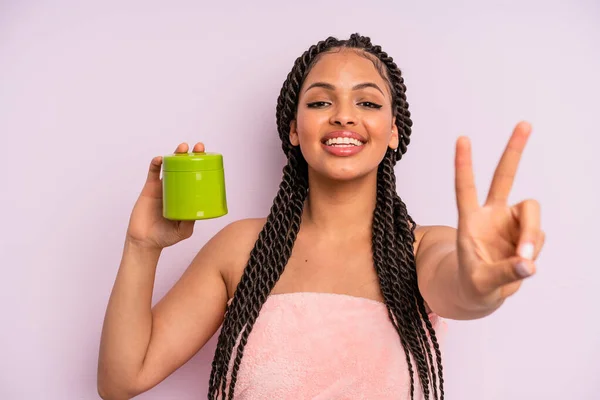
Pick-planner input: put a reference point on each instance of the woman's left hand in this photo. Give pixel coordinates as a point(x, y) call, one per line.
point(497, 243)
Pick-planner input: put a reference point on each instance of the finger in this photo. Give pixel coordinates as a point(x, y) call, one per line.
point(506, 170)
point(502, 273)
point(199, 148)
point(182, 148)
point(464, 180)
point(154, 170)
point(528, 214)
point(185, 229)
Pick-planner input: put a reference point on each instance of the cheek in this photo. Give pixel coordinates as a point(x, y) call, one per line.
point(380, 130)
point(308, 127)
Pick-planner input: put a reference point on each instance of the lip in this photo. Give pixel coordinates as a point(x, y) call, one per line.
point(343, 151)
point(343, 134)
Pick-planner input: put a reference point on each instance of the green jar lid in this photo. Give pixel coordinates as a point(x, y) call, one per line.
point(193, 162)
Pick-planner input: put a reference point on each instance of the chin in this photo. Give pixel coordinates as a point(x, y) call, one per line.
point(345, 174)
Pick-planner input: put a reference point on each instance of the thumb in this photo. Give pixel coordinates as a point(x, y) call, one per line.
point(504, 272)
point(154, 169)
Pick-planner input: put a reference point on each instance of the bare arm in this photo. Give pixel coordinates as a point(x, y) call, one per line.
point(127, 323)
point(141, 346)
point(444, 290)
point(438, 277)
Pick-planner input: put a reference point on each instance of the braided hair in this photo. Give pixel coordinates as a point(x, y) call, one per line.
point(392, 238)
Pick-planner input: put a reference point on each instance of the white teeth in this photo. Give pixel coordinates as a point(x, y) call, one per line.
point(343, 141)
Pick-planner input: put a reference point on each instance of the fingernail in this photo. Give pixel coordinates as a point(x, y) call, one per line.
point(522, 269)
point(526, 251)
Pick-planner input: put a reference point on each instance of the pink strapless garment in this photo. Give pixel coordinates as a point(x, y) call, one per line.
point(324, 346)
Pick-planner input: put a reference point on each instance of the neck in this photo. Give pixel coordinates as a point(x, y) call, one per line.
point(340, 210)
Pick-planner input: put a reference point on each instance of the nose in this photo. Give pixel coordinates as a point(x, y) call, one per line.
point(343, 115)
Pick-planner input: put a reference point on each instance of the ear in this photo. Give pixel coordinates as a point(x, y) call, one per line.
point(294, 133)
point(394, 140)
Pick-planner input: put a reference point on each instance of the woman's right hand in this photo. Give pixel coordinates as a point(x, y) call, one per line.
point(147, 226)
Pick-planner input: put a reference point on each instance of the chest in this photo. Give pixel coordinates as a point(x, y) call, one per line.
point(344, 268)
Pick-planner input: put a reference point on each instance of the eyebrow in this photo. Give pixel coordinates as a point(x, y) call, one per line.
point(329, 86)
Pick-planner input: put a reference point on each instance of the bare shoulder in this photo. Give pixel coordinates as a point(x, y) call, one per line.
point(236, 241)
point(420, 231)
point(433, 238)
point(246, 227)
point(433, 234)
point(435, 242)
point(238, 238)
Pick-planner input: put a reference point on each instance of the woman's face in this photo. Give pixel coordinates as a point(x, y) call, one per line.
point(344, 120)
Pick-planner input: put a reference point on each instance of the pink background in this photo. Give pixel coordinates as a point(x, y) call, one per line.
point(89, 93)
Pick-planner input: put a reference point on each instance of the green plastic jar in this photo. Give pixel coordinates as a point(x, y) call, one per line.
point(193, 186)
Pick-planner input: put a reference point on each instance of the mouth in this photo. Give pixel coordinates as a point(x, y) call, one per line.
point(343, 143)
point(343, 139)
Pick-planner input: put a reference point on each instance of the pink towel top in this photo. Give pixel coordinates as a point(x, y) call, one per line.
point(323, 346)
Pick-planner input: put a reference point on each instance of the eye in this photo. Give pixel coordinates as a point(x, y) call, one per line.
point(317, 104)
point(371, 105)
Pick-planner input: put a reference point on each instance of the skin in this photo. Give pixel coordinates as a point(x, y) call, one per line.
point(463, 273)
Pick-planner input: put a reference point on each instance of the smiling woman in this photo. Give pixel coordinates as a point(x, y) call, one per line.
point(340, 96)
point(337, 293)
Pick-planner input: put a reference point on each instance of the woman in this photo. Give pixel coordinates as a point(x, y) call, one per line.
point(337, 293)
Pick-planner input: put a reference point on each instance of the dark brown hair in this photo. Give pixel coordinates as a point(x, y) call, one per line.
point(392, 241)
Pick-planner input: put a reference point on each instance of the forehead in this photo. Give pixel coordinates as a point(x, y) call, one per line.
point(344, 69)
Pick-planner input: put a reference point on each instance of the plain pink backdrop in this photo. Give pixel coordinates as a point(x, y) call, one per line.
point(89, 93)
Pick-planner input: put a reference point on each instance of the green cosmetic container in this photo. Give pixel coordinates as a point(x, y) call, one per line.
point(193, 186)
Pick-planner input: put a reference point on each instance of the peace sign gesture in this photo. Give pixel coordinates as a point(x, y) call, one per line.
point(497, 244)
